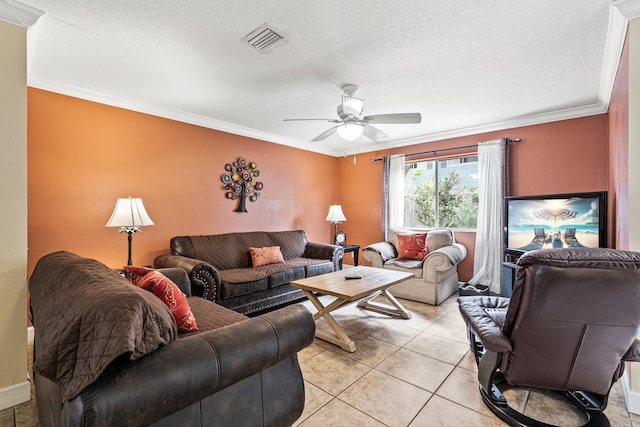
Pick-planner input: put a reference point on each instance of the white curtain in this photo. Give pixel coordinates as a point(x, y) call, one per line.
point(396, 191)
point(489, 236)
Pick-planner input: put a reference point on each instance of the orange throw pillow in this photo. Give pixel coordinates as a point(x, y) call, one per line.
point(266, 255)
point(168, 292)
point(412, 246)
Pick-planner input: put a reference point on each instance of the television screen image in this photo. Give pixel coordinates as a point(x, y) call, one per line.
point(555, 221)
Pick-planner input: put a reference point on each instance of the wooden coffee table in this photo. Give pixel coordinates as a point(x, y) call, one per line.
point(374, 282)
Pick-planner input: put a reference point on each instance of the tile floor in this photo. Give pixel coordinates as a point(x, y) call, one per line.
point(415, 372)
point(406, 372)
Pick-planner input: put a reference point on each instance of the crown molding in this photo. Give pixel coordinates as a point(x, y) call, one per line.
point(530, 120)
point(616, 33)
point(19, 14)
point(167, 113)
point(630, 9)
point(194, 119)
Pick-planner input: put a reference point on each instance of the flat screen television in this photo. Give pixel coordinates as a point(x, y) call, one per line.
point(575, 220)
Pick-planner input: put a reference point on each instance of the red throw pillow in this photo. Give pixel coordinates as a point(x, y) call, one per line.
point(169, 293)
point(266, 255)
point(412, 246)
point(134, 273)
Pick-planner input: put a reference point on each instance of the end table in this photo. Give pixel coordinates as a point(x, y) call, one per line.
point(355, 249)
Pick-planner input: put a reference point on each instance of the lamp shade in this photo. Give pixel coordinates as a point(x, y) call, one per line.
point(335, 214)
point(129, 212)
point(350, 131)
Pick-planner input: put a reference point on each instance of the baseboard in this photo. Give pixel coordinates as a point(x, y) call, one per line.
point(15, 395)
point(631, 397)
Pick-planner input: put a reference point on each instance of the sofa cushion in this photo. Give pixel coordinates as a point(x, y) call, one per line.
point(286, 276)
point(412, 246)
point(312, 267)
point(265, 255)
point(439, 238)
point(169, 293)
point(211, 316)
point(318, 269)
point(237, 287)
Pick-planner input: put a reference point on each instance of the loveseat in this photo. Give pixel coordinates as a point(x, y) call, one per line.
point(435, 270)
point(221, 269)
point(108, 353)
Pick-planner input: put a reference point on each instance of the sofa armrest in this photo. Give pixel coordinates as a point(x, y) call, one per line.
point(205, 279)
point(480, 322)
point(455, 252)
point(178, 276)
point(190, 369)
point(379, 253)
point(324, 251)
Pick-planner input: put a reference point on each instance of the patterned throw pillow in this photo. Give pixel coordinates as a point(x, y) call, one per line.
point(412, 246)
point(266, 255)
point(134, 273)
point(168, 292)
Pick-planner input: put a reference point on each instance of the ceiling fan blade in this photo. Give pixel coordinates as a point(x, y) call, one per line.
point(373, 134)
point(399, 118)
point(325, 134)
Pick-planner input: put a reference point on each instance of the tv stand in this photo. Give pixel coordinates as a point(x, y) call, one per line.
point(508, 278)
point(508, 274)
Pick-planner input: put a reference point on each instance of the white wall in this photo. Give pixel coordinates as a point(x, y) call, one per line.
point(14, 382)
point(633, 396)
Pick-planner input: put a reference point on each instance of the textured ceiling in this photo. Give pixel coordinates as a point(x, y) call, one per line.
point(466, 66)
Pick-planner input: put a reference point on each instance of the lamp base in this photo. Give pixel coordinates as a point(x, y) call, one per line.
point(130, 239)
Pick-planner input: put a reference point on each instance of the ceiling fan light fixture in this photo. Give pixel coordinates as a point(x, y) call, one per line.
point(350, 131)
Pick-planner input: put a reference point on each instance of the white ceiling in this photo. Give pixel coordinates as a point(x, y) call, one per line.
point(466, 66)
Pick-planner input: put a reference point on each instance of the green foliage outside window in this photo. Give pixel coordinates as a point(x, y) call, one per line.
point(457, 200)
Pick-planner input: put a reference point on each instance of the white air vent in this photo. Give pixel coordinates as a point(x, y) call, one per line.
point(265, 38)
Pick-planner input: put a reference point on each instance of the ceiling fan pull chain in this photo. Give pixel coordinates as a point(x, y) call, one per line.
point(354, 151)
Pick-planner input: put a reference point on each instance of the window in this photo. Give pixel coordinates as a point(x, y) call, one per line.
point(454, 180)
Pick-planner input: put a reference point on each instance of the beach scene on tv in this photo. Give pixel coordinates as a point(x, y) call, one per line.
point(553, 223)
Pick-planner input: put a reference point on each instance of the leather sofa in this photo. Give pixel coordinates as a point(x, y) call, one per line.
point(234, 371)
point(435, 276)
point(221, 270)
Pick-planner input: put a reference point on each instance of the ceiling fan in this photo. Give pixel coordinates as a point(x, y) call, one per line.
point(352, 124)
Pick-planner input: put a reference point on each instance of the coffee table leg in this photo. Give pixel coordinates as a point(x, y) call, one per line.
point(339, 337)
point(399, 310)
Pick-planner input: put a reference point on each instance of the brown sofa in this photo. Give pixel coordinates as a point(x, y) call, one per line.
point(220, 267)
point(107, 353)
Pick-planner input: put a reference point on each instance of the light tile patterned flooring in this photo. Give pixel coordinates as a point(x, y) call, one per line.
point(413, 372)
point(406, 372)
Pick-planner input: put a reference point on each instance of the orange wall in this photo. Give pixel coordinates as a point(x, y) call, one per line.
point(559, 157)
point(82, 156)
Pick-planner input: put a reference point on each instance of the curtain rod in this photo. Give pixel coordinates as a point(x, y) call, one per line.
point(447, 149)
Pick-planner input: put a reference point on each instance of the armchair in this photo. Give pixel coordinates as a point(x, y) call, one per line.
point(435, 276)
point(569, 327)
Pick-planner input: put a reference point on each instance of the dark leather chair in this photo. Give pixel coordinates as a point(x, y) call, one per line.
point(569, 327)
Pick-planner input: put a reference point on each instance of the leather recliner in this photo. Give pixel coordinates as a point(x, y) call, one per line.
point(569, 327)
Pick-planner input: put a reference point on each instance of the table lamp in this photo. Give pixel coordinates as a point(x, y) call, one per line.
point(336, 216)
point(129, 214)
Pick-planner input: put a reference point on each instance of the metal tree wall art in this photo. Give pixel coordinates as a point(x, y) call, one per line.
point(240, 181)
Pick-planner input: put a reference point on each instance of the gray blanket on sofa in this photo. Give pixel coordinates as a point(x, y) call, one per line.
point(85, 315)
